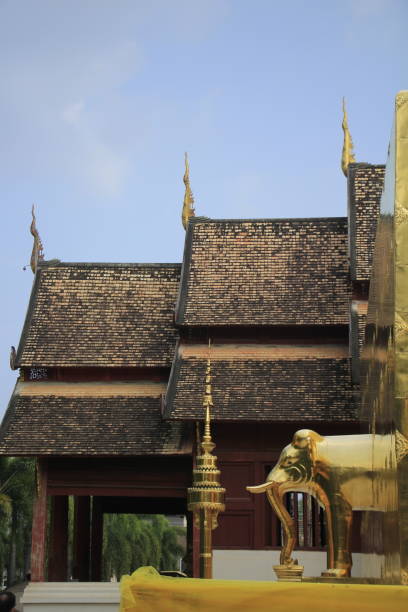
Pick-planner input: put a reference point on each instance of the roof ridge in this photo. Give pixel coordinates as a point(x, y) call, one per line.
point(195, 220)
point(100, 264)
point(366, 165)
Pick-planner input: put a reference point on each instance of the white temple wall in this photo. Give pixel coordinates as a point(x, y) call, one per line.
point(257, 564)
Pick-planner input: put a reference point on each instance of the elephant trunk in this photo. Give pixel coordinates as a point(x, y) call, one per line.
point(275, 496)
point(275, 492)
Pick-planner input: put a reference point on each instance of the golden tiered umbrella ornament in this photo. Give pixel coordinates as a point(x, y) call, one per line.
point(206, 498)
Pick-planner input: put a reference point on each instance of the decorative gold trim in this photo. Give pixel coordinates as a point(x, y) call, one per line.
point(188, 208)
point(206, 496)
point(347, 156)
point(400, 326)
point(292, 572)
point(37, 253)
point(401, 446)
point(401, 215)
point(13, 357)
point(401, 99)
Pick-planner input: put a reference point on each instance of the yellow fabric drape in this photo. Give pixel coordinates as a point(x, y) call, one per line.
point(145, 590)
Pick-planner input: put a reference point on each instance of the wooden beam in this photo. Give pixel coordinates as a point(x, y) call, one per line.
point(85, 490)
point(188, 558)
point(96, 539)
point(196, 550)
point(58, 555)
point(82, 535)
point(39, 529)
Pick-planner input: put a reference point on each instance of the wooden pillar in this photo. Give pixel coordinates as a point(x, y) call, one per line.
point(196, 550)
point(39, 529)
point(96, 540)
point(188, 557)
point(82, 535)
point(58, 555)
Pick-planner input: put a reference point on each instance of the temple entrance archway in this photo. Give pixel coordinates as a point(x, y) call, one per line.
point(97, 487)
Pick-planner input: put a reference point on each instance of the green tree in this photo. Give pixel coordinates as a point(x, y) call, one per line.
point(131, 541)
point(5, 513)
point(171, 547)
point(16, 499)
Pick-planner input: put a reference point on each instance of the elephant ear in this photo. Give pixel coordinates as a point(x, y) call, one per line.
point(307, 439)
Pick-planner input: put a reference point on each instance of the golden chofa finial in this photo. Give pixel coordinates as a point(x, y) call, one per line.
point(38, 251)
point(188, 208)
point(347, 156)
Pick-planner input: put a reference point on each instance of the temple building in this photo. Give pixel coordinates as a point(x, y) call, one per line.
point(112, 361)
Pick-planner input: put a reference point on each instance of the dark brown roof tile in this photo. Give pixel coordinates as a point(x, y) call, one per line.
point(115, 426)
point(365, 184)
point(265, 272)
point(115, 315)
point(299, 390)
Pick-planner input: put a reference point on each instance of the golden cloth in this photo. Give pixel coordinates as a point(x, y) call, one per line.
point(145, 590)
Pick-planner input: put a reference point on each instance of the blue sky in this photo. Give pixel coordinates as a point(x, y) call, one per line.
point(99, 100)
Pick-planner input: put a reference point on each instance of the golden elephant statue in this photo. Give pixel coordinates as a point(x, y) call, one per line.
point(339, 472)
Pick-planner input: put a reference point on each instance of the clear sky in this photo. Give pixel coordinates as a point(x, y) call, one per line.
point(99, 99)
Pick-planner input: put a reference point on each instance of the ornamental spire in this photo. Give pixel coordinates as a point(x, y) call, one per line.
point(206, 496)
point(13, 358)
point(207, 444)
point(38, 251)
point(188, 208)
point(347, 156)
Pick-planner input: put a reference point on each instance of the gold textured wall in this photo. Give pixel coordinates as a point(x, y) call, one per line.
point(385, 364)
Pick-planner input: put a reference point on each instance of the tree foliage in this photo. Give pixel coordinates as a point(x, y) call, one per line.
point(17, 476)
point(131, 541)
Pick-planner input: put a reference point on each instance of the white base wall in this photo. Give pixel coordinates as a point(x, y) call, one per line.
point(70, 596)
point(227, 565)
point(257, 564)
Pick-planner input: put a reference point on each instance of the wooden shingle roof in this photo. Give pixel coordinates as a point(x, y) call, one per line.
point(365, 185)
point(102, 315)
point(265, 272)
point(263, 389)
point(92, 426)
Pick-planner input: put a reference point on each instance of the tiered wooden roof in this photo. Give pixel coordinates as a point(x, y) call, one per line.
point(265, 272)
point(265, 383)
point(95, 316)
point(105, 420)
point(100, 315)
point(249, 277)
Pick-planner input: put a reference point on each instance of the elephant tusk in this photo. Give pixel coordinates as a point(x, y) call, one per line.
point(260, 488)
